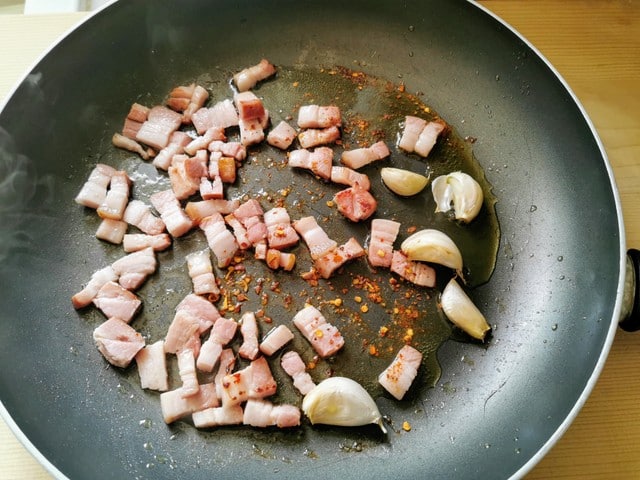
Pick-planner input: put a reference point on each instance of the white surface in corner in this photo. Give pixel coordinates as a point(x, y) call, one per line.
point(60, 6)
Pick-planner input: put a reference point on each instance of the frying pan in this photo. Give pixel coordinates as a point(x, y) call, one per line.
point(554, 299)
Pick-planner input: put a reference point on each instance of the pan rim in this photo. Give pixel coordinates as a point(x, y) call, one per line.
point(613, 326)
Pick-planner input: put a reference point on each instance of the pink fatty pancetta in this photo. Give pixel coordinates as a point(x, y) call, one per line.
point(355, 203)
point(319, 116)
point(99, 278)
point(116, 301)
point(221, 241)
point(222, 332)
point(174, 217)
point(249, 330)
point(263, 413)
point(318, 161)
point(175, 405)
point(314, 137)
point(334, 259)
point(293, 365)
point(112, 231)
point(118, 342)
point(314, 236)
point(152, 367)
point(139, 215)
point(282, 135)
point(325, 338)
point(275, 339)
point(117, 197)
point(247, 78)
point(201, 272)
point(134, 268)
point(383, 235)
point(133, 242)
point(419, 135)
point(360, 157)
point(94, 190)
point(399, 375)
point(415, 272)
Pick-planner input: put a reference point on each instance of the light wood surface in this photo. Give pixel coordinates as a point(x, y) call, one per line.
point(595, 45)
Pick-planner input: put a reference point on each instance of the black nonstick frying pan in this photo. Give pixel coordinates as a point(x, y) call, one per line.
point(554, 298)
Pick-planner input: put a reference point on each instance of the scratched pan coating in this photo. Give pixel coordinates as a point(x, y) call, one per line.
point(494, 410)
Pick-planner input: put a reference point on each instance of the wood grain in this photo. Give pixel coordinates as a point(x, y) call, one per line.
point(595, 46)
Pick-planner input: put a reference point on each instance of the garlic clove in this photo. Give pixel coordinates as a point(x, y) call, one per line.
point(459, 190)
point(462, 312)
point(343, 402)
point(403, 182)
point(433, 246)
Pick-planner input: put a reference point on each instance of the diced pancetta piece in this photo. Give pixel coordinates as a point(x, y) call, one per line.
point(383, 235)
point(99, 278)
point(226, 363)
point(248, 77)
point(360, 157)
point(116, 301)
point(152, 367)
point(238, 231)
point(134, 268)
point(187, 99)
point(157, 129)
point(223, 114)
point(355, 203)
point(223, 167)
point(293, 365)
point(187, 372)
point(174, 217)
point(183, 333)
point(280, 232)
point(203, 141)
point(198, 210)
point(319, 116)
point(419, 135)
point(253, 118)
point(218, 416)
point(221, 241)
point(282, 135)
point(318, 161)
point(348, 176)
point(133, 242)
point(314, 236)
point(137, 115)
point(211, 189)
point(415, 272)
point(314, 137)
point(253, 381)
point(185, 173)
point(111, 230)
point(250, 213)
point(177, 142)
point(229, 149)
point(223, 331)
point(126, 143)
point(276, 339)
point(334, 259)
point(399, 375)
point(325, 338)
point(139, 215)
point(118, 342)
point(249, 330)
point(174, 405)
point(201, 273)
point(263, 413)
point(93, 192)
point(202, 309)
point(117, 196)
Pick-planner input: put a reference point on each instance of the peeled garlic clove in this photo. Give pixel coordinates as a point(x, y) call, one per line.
point(462, 312)
point(403, 182)
point(433, 246)
point(461, 191)
point(341, 401)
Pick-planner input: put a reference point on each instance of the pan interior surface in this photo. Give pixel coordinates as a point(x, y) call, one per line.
point(551, 299)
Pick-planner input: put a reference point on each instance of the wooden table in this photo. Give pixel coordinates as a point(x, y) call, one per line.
point(595, 45)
